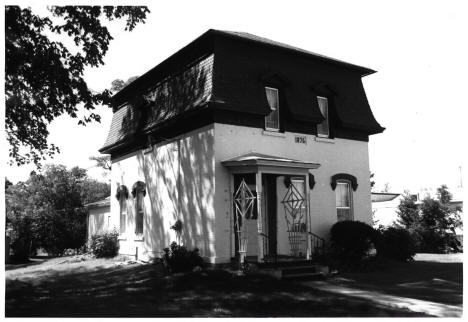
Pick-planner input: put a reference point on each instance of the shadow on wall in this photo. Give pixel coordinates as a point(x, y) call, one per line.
point(169, 98)
point(96, 221)
point(180, 183)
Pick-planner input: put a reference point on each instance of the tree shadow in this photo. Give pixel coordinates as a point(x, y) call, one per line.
point(144, 291)
point(423, 280)
point(30, 262)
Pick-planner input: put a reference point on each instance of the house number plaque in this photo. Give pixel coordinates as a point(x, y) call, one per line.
point(301, 139)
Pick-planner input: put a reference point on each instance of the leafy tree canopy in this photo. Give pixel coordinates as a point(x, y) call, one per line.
point(408, 212)
point(432, 222)
point(118, 84)
point(48, 209)
point(102, 161)
point(44, 78)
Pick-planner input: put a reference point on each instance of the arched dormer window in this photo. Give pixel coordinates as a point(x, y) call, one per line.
point(122, 196)
point(342, 183)
point(139, 192)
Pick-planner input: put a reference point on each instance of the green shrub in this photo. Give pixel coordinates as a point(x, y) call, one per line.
point(105, 245)
point(396, 243)
point(178, 259)
point(352, 241)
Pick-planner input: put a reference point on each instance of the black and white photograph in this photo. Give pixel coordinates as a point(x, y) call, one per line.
point(233, 159)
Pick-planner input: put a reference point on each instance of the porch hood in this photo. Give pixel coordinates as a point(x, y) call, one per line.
point(258, 159)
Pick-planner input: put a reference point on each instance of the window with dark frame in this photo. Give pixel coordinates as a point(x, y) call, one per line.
point(272, 119)
point(343, 201)
point(323, 129)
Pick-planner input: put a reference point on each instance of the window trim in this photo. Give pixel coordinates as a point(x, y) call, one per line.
point(350, 197)
point(271, 109)
point(327, 118)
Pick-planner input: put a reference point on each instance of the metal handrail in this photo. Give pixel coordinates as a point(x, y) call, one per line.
point(318, 245)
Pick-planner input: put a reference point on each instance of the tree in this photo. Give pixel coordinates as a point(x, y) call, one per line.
point(408, 212)
point(386, 187)
point(44, 78)
point(444, 195)
point(118, 84)
point(48, 209)
point(432, 224)
point(102, 161)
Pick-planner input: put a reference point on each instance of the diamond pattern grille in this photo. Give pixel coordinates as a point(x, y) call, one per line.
point(294, 211)
point(244, 201)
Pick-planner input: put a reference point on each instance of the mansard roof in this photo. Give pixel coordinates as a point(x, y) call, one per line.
point(190, 82)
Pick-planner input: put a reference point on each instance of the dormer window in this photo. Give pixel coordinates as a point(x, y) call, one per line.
point(323, 129)
point(272, 119)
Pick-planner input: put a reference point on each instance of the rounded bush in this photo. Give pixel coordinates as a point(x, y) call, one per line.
point(178, 259)
point(396, 243)
point(352, 241)
point(105, 245)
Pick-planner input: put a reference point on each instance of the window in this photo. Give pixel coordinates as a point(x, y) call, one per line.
point(343, 201)
point(123, 213)
point(139, 192)
point(139, 213)
point(272, 119)
point(323, 128)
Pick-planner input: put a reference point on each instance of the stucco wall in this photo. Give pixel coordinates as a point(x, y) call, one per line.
point(385, 213)
point(179, 177)
point(335, 156)
point(98, 220)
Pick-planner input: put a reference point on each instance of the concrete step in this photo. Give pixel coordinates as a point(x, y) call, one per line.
point(290, 271)
point(308, 276)
point(281, 264)
point(298, 270)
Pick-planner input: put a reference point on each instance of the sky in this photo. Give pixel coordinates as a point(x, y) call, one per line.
point(418, 48)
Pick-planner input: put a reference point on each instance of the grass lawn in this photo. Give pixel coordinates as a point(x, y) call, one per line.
point(103, 288)
point(430, 277)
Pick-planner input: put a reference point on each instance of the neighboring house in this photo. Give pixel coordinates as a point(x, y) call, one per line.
point(257, 147)
point(99, 217)
point(384, 208)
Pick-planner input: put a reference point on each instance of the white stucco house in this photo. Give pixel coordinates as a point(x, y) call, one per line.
point(99, 218)
point(257, 147)
point(384, 208)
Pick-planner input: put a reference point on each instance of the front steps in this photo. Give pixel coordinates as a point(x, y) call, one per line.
point(297, 269)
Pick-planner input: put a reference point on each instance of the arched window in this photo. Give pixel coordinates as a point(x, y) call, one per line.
point(122, 196)
point(139, 192)
point(342, 183)
point(344, 200)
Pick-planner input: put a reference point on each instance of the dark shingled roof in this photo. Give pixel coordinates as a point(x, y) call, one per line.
point(183, 82)
point(269, 42)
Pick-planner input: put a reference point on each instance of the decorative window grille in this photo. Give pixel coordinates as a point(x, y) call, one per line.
point(323, 128)
point(294, 204)
point(343, 201)
point(244, 202)
point(272, 119)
